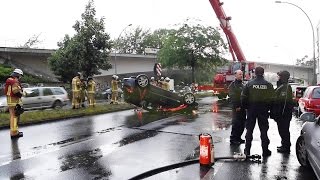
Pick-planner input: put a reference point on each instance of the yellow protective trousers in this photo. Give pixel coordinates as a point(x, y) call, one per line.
point(114, 96)
point(76, 99)
point(13, 121)
point(91, 99)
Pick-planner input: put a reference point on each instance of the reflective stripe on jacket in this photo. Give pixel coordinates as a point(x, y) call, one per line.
point(12, 88)
point(114, 85)
point(91, 86)
point(76, 84)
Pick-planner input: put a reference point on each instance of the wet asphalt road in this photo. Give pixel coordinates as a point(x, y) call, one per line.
point(124, 144)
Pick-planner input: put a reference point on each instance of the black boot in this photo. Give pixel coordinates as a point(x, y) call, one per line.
point(283, 150)
point(20, 134)
point(266, 153)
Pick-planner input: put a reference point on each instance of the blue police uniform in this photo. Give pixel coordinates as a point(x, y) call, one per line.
point(282, 110)
point(257, 97)
point(238, 117)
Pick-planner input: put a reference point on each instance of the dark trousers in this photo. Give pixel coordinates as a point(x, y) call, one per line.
point(262, 115)
point(283, 128)
point(238, 124)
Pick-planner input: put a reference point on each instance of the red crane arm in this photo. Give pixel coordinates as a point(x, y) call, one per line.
point(234, 46)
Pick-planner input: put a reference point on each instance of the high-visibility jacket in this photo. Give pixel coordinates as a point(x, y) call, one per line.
point(76, 84)
point(114, 85)
point(91, 86)
point(166, 86)
point(13, 91)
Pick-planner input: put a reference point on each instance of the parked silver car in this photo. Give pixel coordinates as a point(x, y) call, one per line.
point(40, 98)
point(308, 143)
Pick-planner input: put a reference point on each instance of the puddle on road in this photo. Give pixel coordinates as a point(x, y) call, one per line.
point(137, 137)
point(87, 160)
point(141, 118)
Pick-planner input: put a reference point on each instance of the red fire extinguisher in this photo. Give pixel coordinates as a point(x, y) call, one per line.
point(206, 150)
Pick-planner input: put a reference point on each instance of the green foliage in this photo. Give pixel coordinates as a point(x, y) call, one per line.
point(135, 42)
point(5, 72)
point(157, 38)
point(131, 43)
point(193, 46)
point(45, 116)
point(87, 51)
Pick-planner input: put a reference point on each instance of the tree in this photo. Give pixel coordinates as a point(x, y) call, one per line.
point(131, 43)
point(157, 38)
point(304, 61)
point(87, 51)
point(195, 46)
point(136, 41)
point(31, 42)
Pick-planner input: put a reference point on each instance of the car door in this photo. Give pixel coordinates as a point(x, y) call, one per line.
point(312, 138)
point(32, 98)
point(303, 100)
point(48, 98)
point(315, 100)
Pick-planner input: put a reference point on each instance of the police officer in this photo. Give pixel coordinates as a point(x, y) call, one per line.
point(91, 89)
point(282, 110)
point(257, 97)
point(238, 112)
point(76, 91)
point(13, 91)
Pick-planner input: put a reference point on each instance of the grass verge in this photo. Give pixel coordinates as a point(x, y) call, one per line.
point(31, 117)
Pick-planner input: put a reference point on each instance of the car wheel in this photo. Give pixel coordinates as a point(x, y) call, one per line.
point(301, 152)
point(144, 104)
point(142, 80)
point(189, 98)
point(57, 105)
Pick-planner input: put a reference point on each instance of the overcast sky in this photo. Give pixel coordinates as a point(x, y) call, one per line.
point(266, 31)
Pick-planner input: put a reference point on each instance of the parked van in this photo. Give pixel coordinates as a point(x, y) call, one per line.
point(40, 98)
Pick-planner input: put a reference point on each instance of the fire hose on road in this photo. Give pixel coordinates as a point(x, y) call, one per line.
point(194, 161)
point(206, 158)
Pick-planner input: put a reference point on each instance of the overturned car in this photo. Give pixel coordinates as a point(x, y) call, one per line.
point(138, 91)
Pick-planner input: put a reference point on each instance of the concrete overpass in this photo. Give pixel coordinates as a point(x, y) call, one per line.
point(34, 61)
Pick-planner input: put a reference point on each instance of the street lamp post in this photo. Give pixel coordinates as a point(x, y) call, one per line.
point(314, 79)
point(115, 52)
point(318, 48)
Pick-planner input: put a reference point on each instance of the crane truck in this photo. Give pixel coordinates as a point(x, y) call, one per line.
point(225, 76)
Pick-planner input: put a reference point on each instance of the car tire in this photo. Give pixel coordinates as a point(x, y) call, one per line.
point(189, 98)
point(142, 80)
point(301, 152)
point(57, 105)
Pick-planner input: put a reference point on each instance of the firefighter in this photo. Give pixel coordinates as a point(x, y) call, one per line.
point(282, 109)
point(238, 112)
point(160, 82)
point(114, 89)
point(91, 89)
point(257, 97)
point(14, 92)
point(153, 81)
point(83, 92)
point(166, 85)
point(76, 91)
